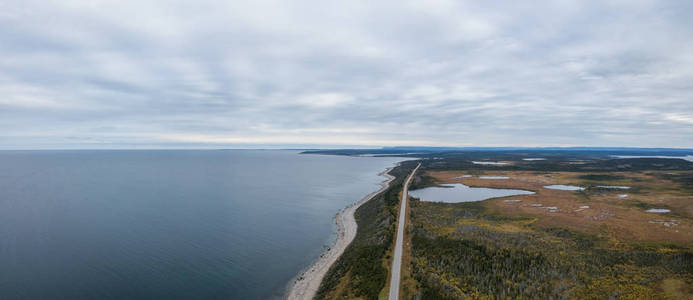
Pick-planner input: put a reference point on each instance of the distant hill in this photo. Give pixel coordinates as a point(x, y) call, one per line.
point(642, 151)
point(494, 151)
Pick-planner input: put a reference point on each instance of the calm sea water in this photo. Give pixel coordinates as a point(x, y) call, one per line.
point(169, 224)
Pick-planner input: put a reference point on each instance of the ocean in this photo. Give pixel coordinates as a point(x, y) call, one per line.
point(169, 224)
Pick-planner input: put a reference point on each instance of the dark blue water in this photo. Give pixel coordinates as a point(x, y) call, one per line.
point(169, 224)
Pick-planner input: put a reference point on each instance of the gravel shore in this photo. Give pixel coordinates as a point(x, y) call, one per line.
point(306, 285)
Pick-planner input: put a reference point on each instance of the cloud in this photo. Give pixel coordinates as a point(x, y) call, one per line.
point(127, 74)
point(324, 99)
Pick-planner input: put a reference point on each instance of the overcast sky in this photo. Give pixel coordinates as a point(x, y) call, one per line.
point(206, 74)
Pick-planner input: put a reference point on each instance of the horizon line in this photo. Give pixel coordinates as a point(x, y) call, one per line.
point(443, 148)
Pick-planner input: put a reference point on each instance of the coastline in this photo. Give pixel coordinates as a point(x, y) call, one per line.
point(307, 283)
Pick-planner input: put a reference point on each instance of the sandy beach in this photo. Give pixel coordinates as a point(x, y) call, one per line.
point(306, 285)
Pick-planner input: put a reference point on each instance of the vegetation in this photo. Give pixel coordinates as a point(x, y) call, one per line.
point(601, 177)
point(466, 250)
point(684, 179)
point(360, 271)
point(518, 250)
point(567, 165)
point(421, 180)
point(568, 159)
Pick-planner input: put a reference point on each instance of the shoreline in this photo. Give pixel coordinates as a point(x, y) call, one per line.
point(307, 283)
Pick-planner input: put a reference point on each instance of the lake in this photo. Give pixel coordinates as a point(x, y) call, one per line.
point(169, 224)
point(457, 192)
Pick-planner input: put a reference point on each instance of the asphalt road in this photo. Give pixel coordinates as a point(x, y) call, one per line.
point(397, 260)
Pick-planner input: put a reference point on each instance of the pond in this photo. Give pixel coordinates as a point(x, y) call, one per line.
point(494, 177)
point(613, 187)
point(564, 187)
point(658, 210)
point(490, 163)
point(453, 193)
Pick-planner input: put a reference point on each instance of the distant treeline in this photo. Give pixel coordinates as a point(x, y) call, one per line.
point(597, 165)
point(507, 152)
point(554, 160)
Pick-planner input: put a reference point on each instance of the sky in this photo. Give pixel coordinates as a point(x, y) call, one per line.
point(253, 74)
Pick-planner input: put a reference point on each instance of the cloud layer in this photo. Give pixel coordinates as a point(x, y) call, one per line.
point(167, 74)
